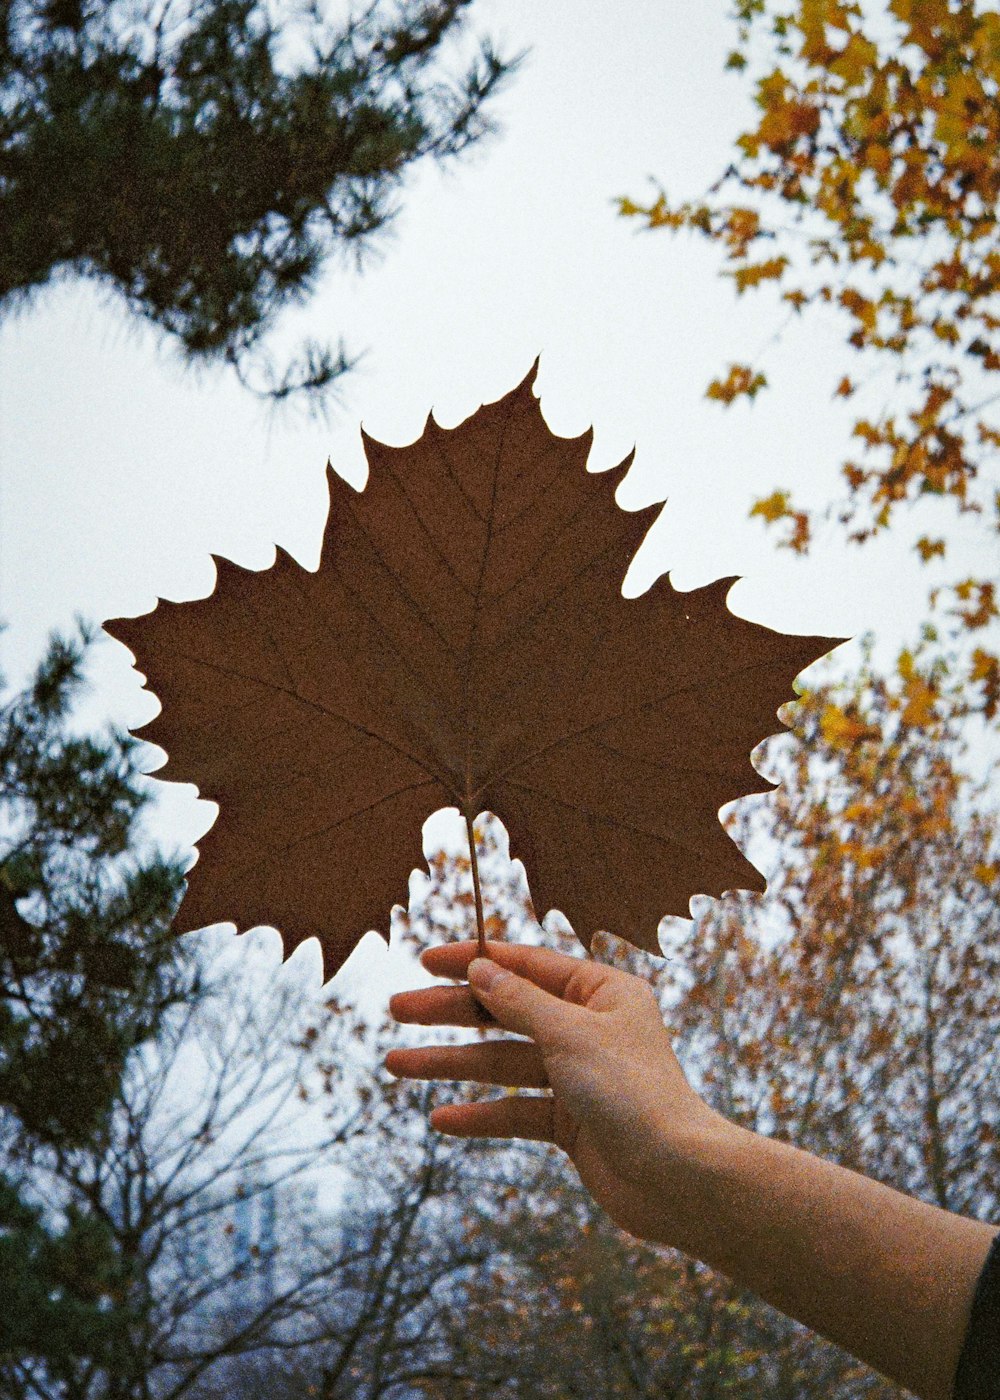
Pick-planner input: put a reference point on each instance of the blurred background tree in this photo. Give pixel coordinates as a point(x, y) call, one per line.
point(88, 974)
point(869, 188)
point(204, 159)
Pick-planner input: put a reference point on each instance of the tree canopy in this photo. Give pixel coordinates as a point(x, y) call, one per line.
point(203, 159)
point(869, 185)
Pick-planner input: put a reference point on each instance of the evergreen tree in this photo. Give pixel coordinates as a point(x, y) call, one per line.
point(203, 158)
point(87, 971)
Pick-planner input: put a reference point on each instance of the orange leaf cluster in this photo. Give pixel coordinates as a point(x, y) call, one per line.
point(752, 274)
point(984, 672)
point(778, 507)
point(741, 381)
point(980, 602)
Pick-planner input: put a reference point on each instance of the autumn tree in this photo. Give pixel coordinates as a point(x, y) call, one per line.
point(250, 1102)
point(204, 159)
point(856, 1009)
point(869, 185)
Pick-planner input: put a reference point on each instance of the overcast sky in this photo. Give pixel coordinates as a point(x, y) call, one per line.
point(122, 472)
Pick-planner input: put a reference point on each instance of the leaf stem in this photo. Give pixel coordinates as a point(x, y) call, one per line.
point(477, 889)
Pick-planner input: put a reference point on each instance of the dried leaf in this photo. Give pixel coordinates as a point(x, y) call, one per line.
point(465, 643)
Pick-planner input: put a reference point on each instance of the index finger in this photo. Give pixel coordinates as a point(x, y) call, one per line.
point(439, 1006)
point(551, 971)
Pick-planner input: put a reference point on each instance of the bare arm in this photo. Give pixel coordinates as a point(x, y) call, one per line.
point(889, 1278)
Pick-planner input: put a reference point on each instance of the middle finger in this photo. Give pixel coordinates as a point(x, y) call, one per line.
point(517, 1064)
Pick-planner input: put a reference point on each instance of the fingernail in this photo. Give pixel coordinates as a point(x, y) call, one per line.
point(483, 974)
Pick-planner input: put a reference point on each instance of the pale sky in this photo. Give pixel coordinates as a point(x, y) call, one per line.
point(122, 472)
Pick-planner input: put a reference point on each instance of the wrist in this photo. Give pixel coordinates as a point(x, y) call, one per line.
point(693, 1152)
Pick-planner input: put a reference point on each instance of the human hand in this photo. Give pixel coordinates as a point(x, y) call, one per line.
point(619, 1103)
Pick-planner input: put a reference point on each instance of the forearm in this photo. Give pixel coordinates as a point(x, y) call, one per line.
point(889, 1278)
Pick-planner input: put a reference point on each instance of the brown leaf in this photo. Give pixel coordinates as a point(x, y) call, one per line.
point(464, 642)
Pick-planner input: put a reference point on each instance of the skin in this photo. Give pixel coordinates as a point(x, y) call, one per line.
point(889, 1278)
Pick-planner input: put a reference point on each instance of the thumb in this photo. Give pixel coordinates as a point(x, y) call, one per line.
point(517, 1004)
